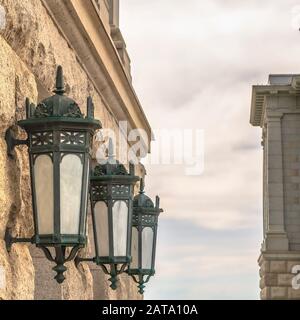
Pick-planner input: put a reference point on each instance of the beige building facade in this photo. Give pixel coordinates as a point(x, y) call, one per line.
point(276, 109)
point(35, 37)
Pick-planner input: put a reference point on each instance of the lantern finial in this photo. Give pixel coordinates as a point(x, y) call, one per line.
point(28, 113)
point(90, 108)
point(60, 86)
point(111, 155)
point(142, 186)
point(157, 202)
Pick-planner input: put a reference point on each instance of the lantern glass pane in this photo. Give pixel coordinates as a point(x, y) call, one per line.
point(86, 195)
point(101, 220)
point(120, 224)
point(147, 247)
point(135, 249)
point(43, 174)
point(71, 169)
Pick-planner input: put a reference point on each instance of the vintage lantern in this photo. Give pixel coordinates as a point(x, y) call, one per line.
point(111, 192)
point(59, 142)
point(144, 236)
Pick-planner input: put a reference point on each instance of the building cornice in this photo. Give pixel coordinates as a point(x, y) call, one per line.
point(276, 255)
point(259, 94)
point(80, 23)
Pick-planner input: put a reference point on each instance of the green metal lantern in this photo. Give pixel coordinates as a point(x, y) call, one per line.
point(112, 191)
point(59, 143)
point(144, 236)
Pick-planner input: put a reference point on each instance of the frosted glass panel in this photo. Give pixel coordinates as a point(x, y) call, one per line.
point(147, 241)
point(134, 249)
point(43, 173)
point(87, 193)
point(120, 220)
point(101, 220)
point(71, 170)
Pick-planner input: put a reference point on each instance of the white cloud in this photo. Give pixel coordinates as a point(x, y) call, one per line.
point(194, 63)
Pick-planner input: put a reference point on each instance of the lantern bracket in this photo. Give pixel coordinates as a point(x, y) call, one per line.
point(60, 251)
point(114, 272)
point(10, 240)
point(60, 259)
point(140, 281)
point(78, 260)
point(12, 142)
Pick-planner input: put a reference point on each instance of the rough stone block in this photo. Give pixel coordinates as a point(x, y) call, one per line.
point(285, 279)
point(293, 294)
point(279, 293)
point(268, 280)
point(278, 266)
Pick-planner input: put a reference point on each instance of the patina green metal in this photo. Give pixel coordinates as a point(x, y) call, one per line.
point(145, 215)
point(56, 128)
point(111, 182)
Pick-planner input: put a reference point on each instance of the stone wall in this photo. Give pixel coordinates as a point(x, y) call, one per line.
point(16, 83)
point(276, 277)
point(31, 47)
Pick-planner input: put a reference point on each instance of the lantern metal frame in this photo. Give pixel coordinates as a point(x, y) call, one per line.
point(110, 183)
point(145, 215)
point(56, 128)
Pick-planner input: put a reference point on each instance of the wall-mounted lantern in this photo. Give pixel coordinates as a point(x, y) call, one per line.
point(112, 191)
point(59, 142)
point(144, 235)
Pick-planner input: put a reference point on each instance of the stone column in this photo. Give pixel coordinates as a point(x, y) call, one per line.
point(275, 234)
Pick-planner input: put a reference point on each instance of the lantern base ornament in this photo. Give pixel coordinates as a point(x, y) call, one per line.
point(60, 260)
point(139, 279)
point(60, 253)
point(113, 272)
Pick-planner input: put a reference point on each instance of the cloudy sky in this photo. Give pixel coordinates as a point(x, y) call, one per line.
point(193, 65)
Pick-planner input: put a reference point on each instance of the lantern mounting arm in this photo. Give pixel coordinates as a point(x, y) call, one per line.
point(10, 240)
point(12, 142)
